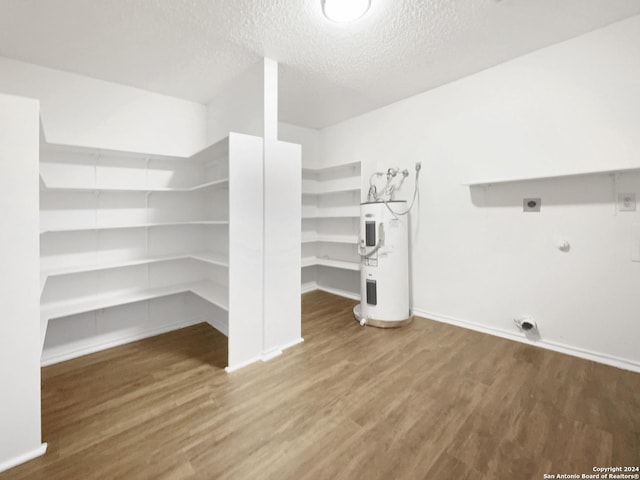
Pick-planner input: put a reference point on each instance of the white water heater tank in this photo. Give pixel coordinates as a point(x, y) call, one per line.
point(384, 272)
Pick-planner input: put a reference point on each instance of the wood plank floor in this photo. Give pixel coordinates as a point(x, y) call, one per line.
point(426, 401)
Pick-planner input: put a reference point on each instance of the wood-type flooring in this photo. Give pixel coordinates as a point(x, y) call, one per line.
point(427, 401)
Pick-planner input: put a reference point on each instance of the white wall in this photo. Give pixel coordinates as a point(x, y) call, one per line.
point(79, 110)
point(282, 245)
point(19, 284)
point(309, 138)
point(247, 105)
point(478, 260)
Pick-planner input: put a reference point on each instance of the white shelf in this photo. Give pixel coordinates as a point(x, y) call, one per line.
point(331, 191)
point(328, 262)
point(330, 215)
point(331, 167)
point(212, 258)
point(313, 238)
point(351, 211)
point(611, 171)
point(214, 293)
point(137, 225)
point(215, 150)
point(91, 189)
point(207, 257)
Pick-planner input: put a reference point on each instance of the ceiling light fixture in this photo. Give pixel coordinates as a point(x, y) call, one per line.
point(345, 10)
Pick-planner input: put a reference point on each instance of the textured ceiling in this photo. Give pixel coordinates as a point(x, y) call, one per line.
point(192, 48)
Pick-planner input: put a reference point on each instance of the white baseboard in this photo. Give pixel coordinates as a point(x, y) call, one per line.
point(23, 458)
point(598, 357)
point(308, 287)
point(79, 350)
point(342, 293)
point(276, 352)
point(313, 286)
point(246, 363)
point(297, 341)
point(271, 354)
point(265, 357)
point(221, 325)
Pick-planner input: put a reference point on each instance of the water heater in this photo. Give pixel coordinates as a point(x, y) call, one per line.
point(384, 270)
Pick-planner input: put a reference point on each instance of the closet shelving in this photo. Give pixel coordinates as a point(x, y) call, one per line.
point(195, 188)
point(206, 257)
point(121, 227)
point(115, 226)
point(608, 171)
point(330, 224)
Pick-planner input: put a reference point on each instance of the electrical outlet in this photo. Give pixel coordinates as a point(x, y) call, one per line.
point(531, 204)
point(626, 202)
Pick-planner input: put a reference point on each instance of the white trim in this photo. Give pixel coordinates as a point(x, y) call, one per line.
point(308, 287)
point(87, 349)
point(342, 293)
point(271, 354)
point(265, 357)
point(618, 362)
point(246, 363)
point(25, 457)
point(297, 341)
point(276, 352)
point(221, 325)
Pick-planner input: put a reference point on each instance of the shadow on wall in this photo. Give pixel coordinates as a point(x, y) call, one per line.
point(580, 190)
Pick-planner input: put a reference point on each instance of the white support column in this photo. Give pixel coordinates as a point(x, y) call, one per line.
point(282, 227)
point(282, 246)
point(246, 250)
point(270, 293)
point(20, 438)
point(270, 104)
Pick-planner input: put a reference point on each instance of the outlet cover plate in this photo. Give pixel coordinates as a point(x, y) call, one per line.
point(531, 204)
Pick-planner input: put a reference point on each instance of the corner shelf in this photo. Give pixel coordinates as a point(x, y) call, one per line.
point(330, 262)
point(315, 238)
point(206, 257)
point(138, 225)
point(83, 273)
point(329, 168)
point(330, 213)
point(332, 191)
point(214, 293)
point(203, 186)
point(612, 171)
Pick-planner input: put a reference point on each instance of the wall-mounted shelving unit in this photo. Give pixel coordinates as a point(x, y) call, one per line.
point(119, 228)
point(611, 171)
point(330, 225)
